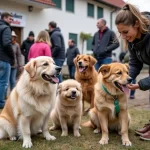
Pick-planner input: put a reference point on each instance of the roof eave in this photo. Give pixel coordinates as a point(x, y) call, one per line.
point(108, 4)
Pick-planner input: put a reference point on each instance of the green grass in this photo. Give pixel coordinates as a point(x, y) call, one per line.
point(88, 140)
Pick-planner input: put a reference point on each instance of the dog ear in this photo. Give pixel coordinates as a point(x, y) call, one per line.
point(92, 61)
point(127, 65)
point(30, 67)
point(105, 70)
point(75, 59)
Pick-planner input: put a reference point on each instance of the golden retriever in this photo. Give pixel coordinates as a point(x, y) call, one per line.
point(111, 86)
point(68, 107)
point(86, 75)
point(29, 105)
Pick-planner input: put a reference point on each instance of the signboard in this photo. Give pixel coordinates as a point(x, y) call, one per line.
point(19, 20)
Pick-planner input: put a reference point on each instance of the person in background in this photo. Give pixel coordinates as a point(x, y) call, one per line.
point(71, 53)
point(18, 61)
point(41, 47)
point(25, 47)
point(58, 45)
point(6, 54)
point(104, 42)
point(121, 56)
point(126, 60)
point(134, 28)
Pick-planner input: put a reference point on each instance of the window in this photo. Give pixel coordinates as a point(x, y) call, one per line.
point(58, 3)
point(70, 5)
point(99, 12)
point(90, 10)
point(89, 43)
point(74, 37)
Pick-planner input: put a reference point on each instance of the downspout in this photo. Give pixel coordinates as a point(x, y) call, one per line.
point(111, 17)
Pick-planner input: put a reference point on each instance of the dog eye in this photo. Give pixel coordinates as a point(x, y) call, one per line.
point(67, 89)
point(85, 60)
point(45, 64)
point(119, 73)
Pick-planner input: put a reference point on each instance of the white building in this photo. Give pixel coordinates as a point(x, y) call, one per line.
point(72, 16)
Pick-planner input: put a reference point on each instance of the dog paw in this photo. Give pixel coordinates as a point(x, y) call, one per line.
point(39, 131)
point(77, 134)
point(52, 128)
point(64, 134)
point(126, 143)
point(50, 137)
point(27, 144)
point(103, 141)
point(13, 138)
point(96, 131)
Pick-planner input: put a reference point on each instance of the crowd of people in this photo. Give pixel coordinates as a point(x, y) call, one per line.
point(132, 25)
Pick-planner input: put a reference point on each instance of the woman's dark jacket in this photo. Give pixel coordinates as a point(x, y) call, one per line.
point(25, 47)
point(140, 54)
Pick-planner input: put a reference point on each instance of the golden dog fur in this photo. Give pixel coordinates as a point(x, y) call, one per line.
point(68, 108)
point(87, 76)
point(29, 105)
point(103, 115)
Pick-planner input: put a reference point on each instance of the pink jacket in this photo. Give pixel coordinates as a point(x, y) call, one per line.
point(39, 49)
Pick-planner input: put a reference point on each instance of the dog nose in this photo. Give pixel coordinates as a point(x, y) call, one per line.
point(73, 92)
point(80, 63)
point(129, 80)
point(58, 69)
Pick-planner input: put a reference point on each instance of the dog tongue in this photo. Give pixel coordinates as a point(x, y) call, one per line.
point(125, 89)
point(81, 69)
point(55, 79)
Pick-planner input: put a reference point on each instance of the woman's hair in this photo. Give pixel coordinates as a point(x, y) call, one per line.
point(43, 36)
point(129, 14)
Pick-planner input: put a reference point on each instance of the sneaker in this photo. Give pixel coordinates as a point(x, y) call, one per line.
point(145, 136)
point(143, 130)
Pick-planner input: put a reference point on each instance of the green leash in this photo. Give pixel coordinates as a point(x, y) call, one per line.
point(116, 102)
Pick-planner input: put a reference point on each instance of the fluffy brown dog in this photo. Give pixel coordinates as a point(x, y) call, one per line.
point(87, 76)
point(68, 108)
point(110, 90)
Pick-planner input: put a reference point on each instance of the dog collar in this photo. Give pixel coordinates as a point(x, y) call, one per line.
point(116, 102)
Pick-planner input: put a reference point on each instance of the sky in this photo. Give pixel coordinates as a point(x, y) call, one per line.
point(143, 5)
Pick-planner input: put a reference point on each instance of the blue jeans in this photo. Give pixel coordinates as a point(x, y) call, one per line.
point(12, 80)
point(4, 80)
point(71, 69)
point(59, 62)
point(100, 62)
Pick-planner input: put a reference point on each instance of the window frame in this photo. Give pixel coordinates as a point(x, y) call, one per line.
point(71, 11)
point(88, 4)
point(60, 5)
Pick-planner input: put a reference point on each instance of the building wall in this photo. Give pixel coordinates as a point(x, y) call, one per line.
point(76, 22)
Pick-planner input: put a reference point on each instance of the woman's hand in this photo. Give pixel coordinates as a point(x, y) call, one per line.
point(133, 86)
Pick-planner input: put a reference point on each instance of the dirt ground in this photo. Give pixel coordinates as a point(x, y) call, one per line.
point(142, 99)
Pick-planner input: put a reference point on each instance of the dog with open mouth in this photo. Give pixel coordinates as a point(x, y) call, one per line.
point(86, 75)
point(68, 107)
point(110, 110)
point(29, 105)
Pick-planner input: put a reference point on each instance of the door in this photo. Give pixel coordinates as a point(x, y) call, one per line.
point(18, 33)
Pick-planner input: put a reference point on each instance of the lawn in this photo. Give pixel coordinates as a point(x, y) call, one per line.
point(88, 140)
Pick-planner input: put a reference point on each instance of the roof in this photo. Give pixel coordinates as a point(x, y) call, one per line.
point(115, 3)
point(47, 2)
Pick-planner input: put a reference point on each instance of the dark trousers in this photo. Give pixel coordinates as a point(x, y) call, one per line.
point(59, 63)
point(71, 69)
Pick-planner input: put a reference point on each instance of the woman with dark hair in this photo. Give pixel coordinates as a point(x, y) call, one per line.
point(134, 28)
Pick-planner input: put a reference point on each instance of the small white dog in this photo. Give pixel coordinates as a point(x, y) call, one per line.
point(29, 105)
point(68, 107)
